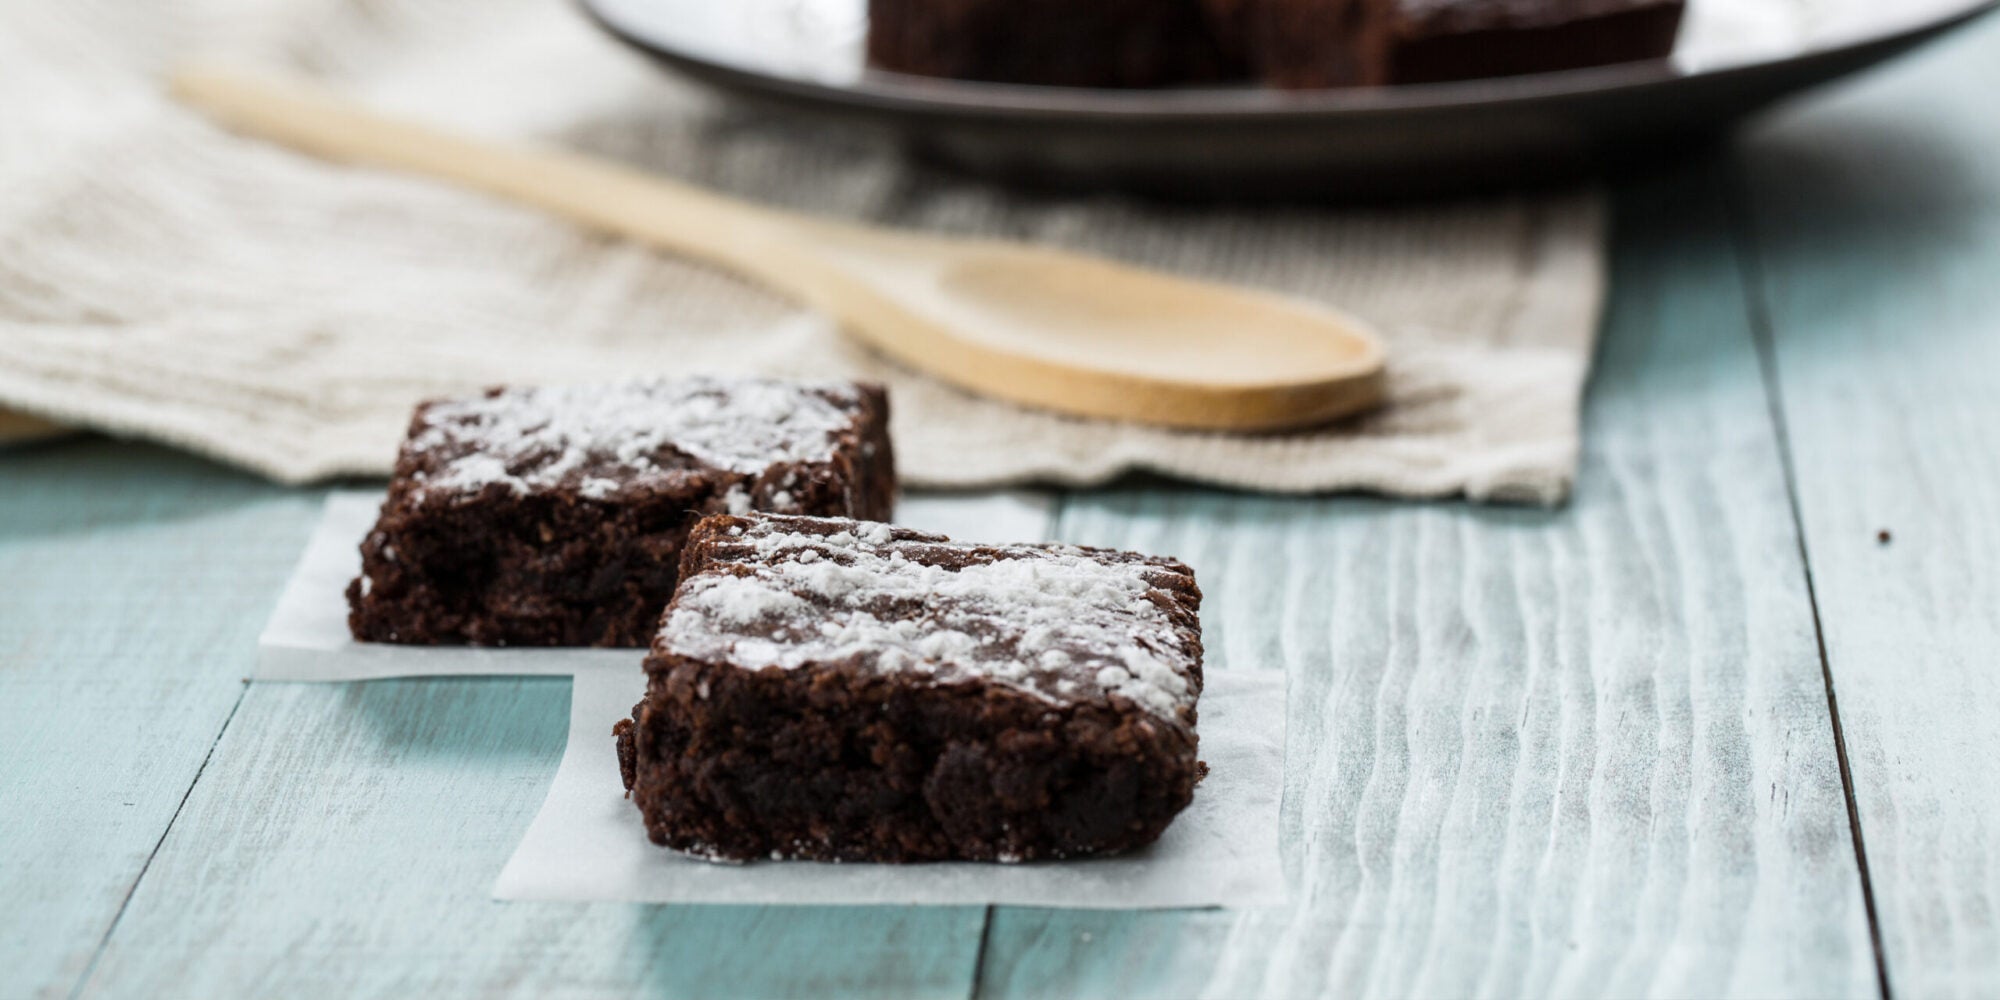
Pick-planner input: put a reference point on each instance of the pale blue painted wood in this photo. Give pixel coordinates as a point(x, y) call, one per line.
point(1576, 752)
point(344, 841)
point(319, 799)
point(132, 586)
point(344, 837)
point(1877, 214)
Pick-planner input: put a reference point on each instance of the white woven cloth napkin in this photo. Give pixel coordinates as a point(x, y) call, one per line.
point(162, 279)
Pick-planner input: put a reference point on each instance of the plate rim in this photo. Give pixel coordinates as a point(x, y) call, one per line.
point(913, 95)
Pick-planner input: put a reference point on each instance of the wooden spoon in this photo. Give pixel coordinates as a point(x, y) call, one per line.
point(1028, 324)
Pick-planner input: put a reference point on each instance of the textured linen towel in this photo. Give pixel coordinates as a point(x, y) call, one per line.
point(162, 279)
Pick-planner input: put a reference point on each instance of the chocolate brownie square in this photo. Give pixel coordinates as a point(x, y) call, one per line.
point(555, 516)
point(1071, 43)
point(838, 690)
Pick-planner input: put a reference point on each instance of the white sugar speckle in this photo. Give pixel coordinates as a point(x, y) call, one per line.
point(737, 600)
point(737, 500)
point(1054, 620)
point(599, 437)
point(481, 469)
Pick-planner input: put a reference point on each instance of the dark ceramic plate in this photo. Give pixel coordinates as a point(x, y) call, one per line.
point(1734, 58)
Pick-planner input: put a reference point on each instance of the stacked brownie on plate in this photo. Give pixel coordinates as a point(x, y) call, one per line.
point(821, 685)
point(1286, 43)
point(1067, 43)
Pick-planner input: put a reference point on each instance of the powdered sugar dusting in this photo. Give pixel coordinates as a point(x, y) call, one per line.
point(606, 437)
point(1059, 621)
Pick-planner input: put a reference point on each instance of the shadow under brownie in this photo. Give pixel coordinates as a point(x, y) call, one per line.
point(555, 516)
point(836, 690)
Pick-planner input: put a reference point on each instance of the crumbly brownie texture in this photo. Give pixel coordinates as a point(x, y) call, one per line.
point(836, 690)
point(1068, 43)
point(1338, 43)
point(1287, 43)
point(556, 516)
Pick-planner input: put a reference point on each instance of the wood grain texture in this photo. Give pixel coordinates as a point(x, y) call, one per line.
point(1580, 752)
point(344, 840)
point(117, 670)
point(1877, 221)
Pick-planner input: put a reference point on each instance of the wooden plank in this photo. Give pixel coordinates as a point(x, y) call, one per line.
point(1877, 215)
point(1575, 752)
point(132, 584)
point(344, 840)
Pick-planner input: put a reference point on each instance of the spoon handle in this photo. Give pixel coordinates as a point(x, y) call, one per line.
point(736, 235)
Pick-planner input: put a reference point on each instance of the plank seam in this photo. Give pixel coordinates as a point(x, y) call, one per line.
point(979, 956)
point(1763, 337)
point(90, 968)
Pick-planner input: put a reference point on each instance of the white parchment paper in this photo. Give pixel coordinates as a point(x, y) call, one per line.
point(588, 844)
point(307, 639)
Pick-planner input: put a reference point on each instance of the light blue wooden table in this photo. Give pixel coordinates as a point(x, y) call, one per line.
point(1700, 733)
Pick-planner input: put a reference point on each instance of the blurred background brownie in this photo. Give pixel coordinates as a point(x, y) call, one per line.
point(834, 690)
point(1070, 43)
point(1339, 43)
point(555, 516)
point(1287, 43)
